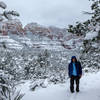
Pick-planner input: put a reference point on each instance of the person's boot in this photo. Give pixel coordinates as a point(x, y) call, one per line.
point(77, 90)
point(72, 91)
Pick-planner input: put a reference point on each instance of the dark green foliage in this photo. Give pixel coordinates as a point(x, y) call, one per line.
point(83, 28)
point(79, 28)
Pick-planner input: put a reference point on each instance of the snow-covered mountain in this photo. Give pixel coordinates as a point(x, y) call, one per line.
point(35, 36)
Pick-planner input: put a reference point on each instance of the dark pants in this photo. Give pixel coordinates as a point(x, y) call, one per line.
point(72, 80)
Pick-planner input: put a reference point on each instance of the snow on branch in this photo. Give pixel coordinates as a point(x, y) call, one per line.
point(88, 13)
point(3, 5)
point(8, 14)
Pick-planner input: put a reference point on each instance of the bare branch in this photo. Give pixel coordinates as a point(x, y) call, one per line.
point(88, 13)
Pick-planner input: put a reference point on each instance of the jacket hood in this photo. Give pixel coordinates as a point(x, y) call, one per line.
point(73, 57)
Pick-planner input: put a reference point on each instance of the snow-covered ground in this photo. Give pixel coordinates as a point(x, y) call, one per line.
point(89, 90)
point(91, 35)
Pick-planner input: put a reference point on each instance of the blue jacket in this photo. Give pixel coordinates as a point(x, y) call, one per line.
point(78, 68)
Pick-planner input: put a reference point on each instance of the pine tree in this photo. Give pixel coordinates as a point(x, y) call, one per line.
point(83, 28)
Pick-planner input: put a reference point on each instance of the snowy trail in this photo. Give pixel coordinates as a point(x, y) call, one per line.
point(90, 89)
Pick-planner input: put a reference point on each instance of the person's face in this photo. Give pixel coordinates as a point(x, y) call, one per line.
point(73, 59)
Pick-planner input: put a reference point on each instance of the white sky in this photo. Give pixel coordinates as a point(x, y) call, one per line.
point(58, 13)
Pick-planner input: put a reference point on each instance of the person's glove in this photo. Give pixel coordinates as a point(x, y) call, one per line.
point(80, 76)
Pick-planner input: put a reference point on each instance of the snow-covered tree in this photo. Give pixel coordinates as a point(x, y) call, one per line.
point(91, 51)
point(83, 28)
point(90, 54)
point(6, 14)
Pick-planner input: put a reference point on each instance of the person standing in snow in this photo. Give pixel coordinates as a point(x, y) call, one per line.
point(75, 73)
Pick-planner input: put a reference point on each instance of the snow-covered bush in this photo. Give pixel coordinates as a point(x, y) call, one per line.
point(38, 83)
point(38, 68)
point(7, 87)
point(9, 62)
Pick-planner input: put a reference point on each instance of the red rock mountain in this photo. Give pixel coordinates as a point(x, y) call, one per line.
point(54, 34)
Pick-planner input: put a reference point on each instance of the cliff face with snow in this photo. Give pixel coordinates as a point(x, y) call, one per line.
point(36, 36)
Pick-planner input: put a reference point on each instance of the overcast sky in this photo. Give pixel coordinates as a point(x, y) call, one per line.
point(50, 12)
